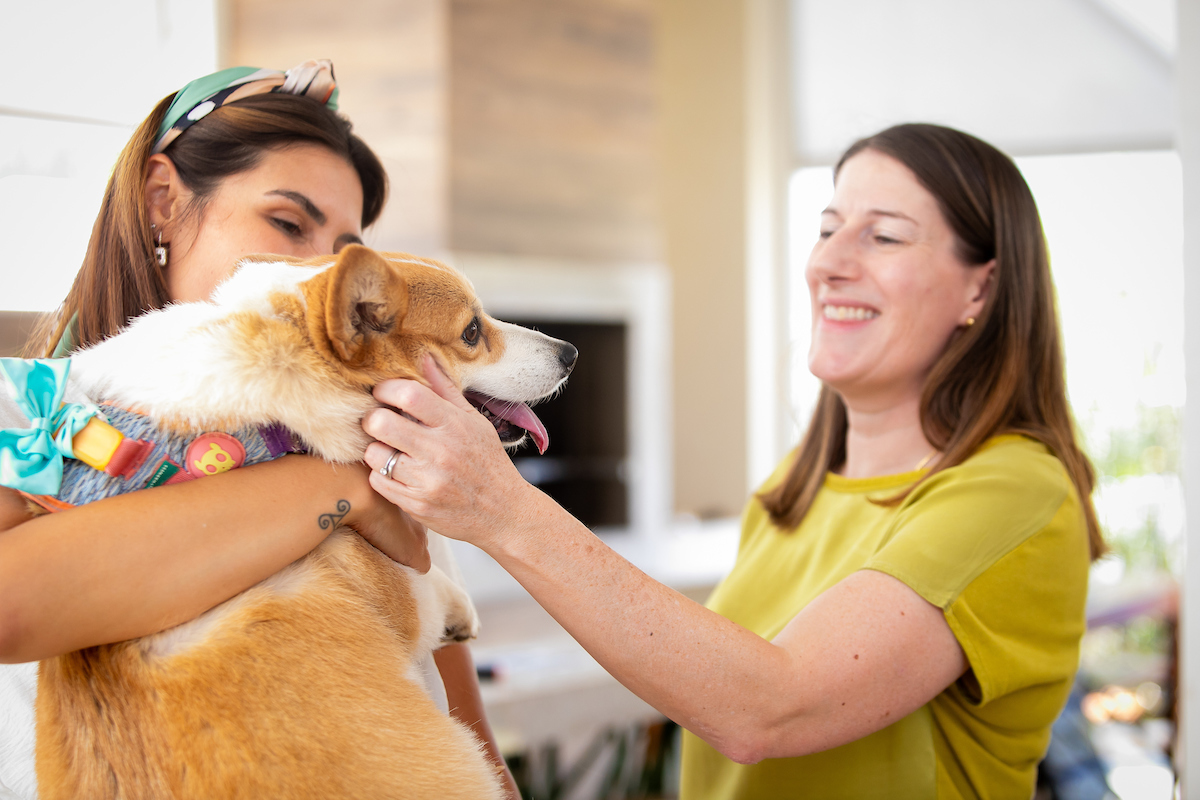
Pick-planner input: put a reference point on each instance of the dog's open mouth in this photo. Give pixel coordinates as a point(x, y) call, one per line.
point(511, 419)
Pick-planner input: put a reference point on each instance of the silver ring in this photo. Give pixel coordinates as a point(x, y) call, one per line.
point(386, 469)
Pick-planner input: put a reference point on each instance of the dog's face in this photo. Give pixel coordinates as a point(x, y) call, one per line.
point(376, 315)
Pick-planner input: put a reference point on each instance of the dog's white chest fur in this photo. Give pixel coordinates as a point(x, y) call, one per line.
point(210, 365)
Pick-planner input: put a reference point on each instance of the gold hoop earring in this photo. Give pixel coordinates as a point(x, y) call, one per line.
point(162, 252)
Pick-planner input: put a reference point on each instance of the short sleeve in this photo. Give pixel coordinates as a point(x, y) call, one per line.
point(999, 543)
point(962, 520)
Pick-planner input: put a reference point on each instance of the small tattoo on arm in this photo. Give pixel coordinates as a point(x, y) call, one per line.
point(327, 521)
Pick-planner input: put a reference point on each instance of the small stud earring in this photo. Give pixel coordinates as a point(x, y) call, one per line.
point(162, 252)
point(970, 321)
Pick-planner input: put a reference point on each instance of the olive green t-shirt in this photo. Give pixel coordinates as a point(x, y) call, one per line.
point(1000, 544)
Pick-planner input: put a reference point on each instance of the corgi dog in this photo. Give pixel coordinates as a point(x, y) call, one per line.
point(306, 685)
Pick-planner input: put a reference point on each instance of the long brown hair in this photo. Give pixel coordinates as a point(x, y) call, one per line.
point(1004, 374)
point(119, 278)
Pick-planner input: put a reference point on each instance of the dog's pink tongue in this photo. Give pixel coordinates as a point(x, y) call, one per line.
point(518, 414)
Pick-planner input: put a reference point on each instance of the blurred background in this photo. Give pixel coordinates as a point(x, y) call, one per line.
point(643, 178)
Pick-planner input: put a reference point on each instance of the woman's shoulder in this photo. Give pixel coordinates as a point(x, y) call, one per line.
point(1008, 451)
point(1007, 490)
point(961, 521)
point(1005, 468)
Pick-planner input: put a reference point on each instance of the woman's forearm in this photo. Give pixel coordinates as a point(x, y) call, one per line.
point(864, 654)
point(710, 675)
point(136, 564)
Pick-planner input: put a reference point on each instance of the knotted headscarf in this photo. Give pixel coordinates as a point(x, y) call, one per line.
point(192, 103)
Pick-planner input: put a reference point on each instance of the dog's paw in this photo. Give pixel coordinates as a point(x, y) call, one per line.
point(457, 618)
point(458, 632)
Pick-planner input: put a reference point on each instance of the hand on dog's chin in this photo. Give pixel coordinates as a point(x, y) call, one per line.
point(442, 385)
point(457, 479)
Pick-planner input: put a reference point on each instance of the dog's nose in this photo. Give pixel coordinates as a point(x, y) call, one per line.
point(567, 355)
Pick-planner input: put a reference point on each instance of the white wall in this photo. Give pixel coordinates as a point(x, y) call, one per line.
point(1188, 143)
point(81, 75)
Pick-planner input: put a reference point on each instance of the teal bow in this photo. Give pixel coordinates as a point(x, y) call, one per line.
point(31, 459)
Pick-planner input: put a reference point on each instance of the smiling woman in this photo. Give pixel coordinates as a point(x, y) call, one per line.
point(888, 289)
point(1008, 370)
point(904, 616)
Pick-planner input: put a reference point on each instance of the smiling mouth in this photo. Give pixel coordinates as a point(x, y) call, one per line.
point(848, 313)
point(511, 419)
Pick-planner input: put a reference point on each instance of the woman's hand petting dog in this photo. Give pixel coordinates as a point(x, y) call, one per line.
point(391, 531)
point(453, 474)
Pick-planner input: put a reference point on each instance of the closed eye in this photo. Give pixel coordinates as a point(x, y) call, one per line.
point(290, 228)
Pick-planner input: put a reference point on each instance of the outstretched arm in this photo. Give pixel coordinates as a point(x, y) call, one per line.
point(864, 654)
point(139, 563)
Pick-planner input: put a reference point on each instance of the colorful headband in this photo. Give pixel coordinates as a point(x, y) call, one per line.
point(192, 103)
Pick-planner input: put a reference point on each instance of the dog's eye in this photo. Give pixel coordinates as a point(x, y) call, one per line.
point(471, 334)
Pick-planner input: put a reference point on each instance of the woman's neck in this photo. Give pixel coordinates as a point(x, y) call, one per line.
point(885, 441)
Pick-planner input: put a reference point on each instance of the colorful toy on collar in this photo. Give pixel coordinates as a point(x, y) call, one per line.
point(50, 433)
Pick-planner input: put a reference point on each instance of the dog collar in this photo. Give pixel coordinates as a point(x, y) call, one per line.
point(60, 450)
point(164, 458)
point(129, 452)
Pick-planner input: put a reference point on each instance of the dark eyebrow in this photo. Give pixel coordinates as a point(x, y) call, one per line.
point(309, 206)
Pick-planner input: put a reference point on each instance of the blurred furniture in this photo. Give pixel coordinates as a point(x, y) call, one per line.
point(15, 327)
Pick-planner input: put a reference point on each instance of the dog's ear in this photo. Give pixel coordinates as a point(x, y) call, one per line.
point(365, 301)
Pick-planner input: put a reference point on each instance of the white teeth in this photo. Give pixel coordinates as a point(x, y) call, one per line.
point(848, 312)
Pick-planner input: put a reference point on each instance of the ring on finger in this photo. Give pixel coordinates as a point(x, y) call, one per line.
point(386, 469)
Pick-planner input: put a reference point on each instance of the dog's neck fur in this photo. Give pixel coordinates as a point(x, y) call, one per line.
point(242, 359)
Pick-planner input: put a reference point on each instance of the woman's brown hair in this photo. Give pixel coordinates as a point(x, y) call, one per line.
point(119, 278)
point(1004, 374)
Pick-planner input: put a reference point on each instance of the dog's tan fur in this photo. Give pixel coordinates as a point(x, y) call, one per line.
point(302, 694)
point(303, 686)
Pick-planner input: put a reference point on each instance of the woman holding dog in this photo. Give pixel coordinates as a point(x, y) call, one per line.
point(239, 162)
point(904, 616)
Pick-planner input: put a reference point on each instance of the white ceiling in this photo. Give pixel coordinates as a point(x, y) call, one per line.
point(1031, 76)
